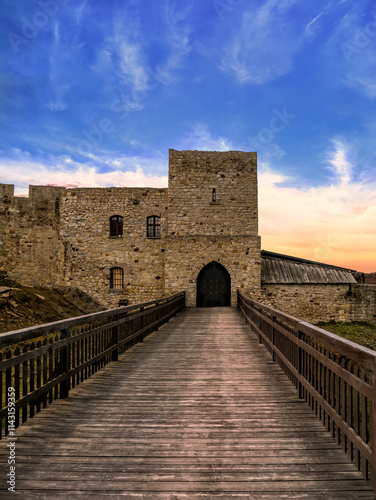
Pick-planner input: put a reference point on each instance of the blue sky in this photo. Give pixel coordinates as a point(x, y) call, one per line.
point(95, 92)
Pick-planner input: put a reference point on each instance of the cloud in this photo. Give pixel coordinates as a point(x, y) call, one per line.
point(124, 171)
point(333, 223)
point(351, 49)
point(201, 139)
point(263, 48)
point(132, 63)
point(103, 61)
point(363, 81)
point(313, 26)
point(80, 10)
point(177, 35)
point(338, 162)
point(129, 56)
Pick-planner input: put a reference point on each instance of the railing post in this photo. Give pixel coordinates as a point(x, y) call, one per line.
point(8, 383)
point(115, 340)
point(142, 322)
point(373, 430)
point(65, 364)
point(273, 338)
point(300, 366)
point(259, 326)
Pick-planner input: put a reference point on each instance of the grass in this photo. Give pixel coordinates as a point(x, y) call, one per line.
point(362, 333)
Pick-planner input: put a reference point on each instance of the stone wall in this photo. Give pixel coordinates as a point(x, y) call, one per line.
point(363, 303)
point(187, 256)
point(370, 278)
point(315, 303)
point(91, 252)
point(30, 249)
point(192, 177)
point(202, 230)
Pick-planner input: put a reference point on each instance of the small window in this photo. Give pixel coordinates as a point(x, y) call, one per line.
point(116, 278)
point(116, 225)
point(214, 195)
point(154, 226)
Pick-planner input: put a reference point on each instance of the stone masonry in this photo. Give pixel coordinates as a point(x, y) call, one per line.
point(208, 213)
point(324, 302)
point(201, 230)
point(61, 236)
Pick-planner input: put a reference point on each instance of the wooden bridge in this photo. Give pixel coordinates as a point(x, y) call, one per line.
point(206, 407)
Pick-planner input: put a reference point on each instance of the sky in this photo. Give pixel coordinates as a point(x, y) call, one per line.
point(95, 92)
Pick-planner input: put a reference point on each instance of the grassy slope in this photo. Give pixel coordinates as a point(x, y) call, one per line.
point(361, 333)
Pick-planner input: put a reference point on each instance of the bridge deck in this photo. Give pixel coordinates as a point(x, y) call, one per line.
point(199, 410)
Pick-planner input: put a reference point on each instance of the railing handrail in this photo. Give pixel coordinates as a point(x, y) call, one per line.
point(28, 333)
point(343, 346)
point(336, 377)
point(43, 362)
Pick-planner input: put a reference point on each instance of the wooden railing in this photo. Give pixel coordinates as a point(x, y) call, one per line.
point(336, 377)
point(41, 364)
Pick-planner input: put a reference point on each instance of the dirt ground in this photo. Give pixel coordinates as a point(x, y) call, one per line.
point(22, 307)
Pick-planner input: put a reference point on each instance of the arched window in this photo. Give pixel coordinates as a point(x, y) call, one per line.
point(116, 278)
point(154, 226)
point(116, 225)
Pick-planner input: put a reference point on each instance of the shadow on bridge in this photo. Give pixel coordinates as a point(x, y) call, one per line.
point(198, 409)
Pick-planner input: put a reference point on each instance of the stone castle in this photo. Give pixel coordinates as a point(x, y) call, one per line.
point(129, 245)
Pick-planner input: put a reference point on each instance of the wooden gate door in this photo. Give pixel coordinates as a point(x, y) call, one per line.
point(213, 286)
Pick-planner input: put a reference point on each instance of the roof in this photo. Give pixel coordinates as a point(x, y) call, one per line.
point(278, 268)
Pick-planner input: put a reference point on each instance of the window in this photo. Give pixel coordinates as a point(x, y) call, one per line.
point(116, 278)
point(154, 226)
point(116, 225)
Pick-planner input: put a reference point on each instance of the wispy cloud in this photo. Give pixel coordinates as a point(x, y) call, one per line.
point(315, 25)
point(263, 48)
point(351, 49)
point(130, 58)
point(80, 10)
point(200, 138)
point(177, 35)
point(310, 25)
point(132, 63)
point(339, 163)
point(124, 171)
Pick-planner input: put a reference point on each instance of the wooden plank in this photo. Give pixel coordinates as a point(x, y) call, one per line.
point(198, 410)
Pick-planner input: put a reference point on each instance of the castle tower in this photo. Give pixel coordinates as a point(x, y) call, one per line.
point(213, 246)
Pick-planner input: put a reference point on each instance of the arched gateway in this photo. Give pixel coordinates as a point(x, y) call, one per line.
point(213, 286)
